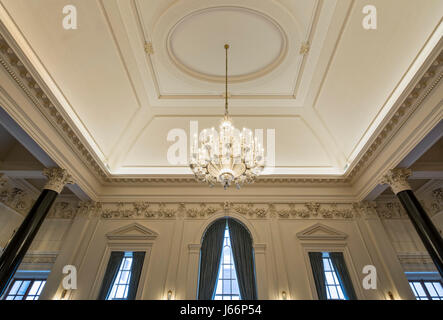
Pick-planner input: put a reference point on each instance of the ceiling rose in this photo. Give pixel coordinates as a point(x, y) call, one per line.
point(260, 43)
point(227, 156)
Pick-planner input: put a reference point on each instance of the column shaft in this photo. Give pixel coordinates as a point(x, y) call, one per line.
point(432, 240)
point(22, 239)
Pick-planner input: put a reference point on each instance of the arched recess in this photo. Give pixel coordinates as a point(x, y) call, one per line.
point(259, 255)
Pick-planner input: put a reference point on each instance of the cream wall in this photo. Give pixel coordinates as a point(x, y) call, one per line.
point(367, 235)
point(280, 256)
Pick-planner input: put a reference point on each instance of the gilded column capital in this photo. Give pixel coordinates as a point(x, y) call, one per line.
point(57, 179)
point(397, 179)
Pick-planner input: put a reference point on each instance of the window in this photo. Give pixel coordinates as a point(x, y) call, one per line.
point(427, 289)
point(120, 286)
point(227, 284)
point(334, 289)
point(25, 289)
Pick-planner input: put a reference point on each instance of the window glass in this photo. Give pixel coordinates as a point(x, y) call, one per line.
point(227, 284)
point(334, 288)
point(120, 286)
point(25, 289)
point(427, 289)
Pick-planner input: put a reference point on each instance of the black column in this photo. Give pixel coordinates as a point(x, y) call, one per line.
point(431, 238)
point(15, 251)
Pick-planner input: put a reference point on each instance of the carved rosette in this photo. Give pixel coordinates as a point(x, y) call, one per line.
point(397, 179)
point(57, 179)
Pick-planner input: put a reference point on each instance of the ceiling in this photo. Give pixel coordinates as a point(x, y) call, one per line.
point(134, 70)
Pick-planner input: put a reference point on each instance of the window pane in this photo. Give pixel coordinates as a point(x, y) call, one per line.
point(439, 288)
point(23, 287)
point(419, 288)
point(329, 278)
point(120, 292)
point(34, 289)
point(227, 271)
point(124, 276)
point(431, 289)
point(334, 289)
point(15, 287)
point(326, 265)
point(120, 287)
point(226, 286)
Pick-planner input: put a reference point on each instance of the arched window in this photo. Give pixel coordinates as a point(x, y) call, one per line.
point(227, 283)
point(227, 268)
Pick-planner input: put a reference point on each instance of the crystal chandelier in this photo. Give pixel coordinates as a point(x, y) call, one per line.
point(227, 156)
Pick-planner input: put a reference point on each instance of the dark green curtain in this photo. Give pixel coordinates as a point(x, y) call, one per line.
point(210, 256)
point(339, 264)
point(136, 270)
point(241, 244)
point(318, 271)
point(111, 272)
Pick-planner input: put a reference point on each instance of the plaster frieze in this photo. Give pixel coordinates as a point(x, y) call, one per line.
point(30, 86)
point(21, 202)
point(145, 210)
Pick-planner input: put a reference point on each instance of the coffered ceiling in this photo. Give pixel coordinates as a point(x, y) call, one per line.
point(134, 70)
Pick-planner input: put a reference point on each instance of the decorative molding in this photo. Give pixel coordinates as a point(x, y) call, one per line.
point(366, 209)
point(415, 258)
point(397, 179)
point(21, 202)
point(24, 79)
point(304, 48)
point(320, 231)
point(201, 210)
point(259, 248)
point(194, 248)
point(233, 78)
point(149, 49)
point(34, 91)
point(35, 258)
point(423, 87)
point(57, 179)
point(133, 231)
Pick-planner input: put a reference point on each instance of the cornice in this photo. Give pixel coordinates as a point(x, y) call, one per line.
point(429, 79)
point(36, 93)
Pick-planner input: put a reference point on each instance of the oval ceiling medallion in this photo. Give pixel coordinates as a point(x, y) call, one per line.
point(258, 44)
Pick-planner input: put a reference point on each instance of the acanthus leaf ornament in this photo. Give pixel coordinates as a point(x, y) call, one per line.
point(397, 179)
point(57, 179)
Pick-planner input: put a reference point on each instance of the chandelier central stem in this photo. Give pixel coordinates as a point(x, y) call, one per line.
point(227, 156)
point(226, 82)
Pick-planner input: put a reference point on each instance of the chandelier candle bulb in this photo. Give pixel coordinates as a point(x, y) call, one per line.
point(228, 157)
